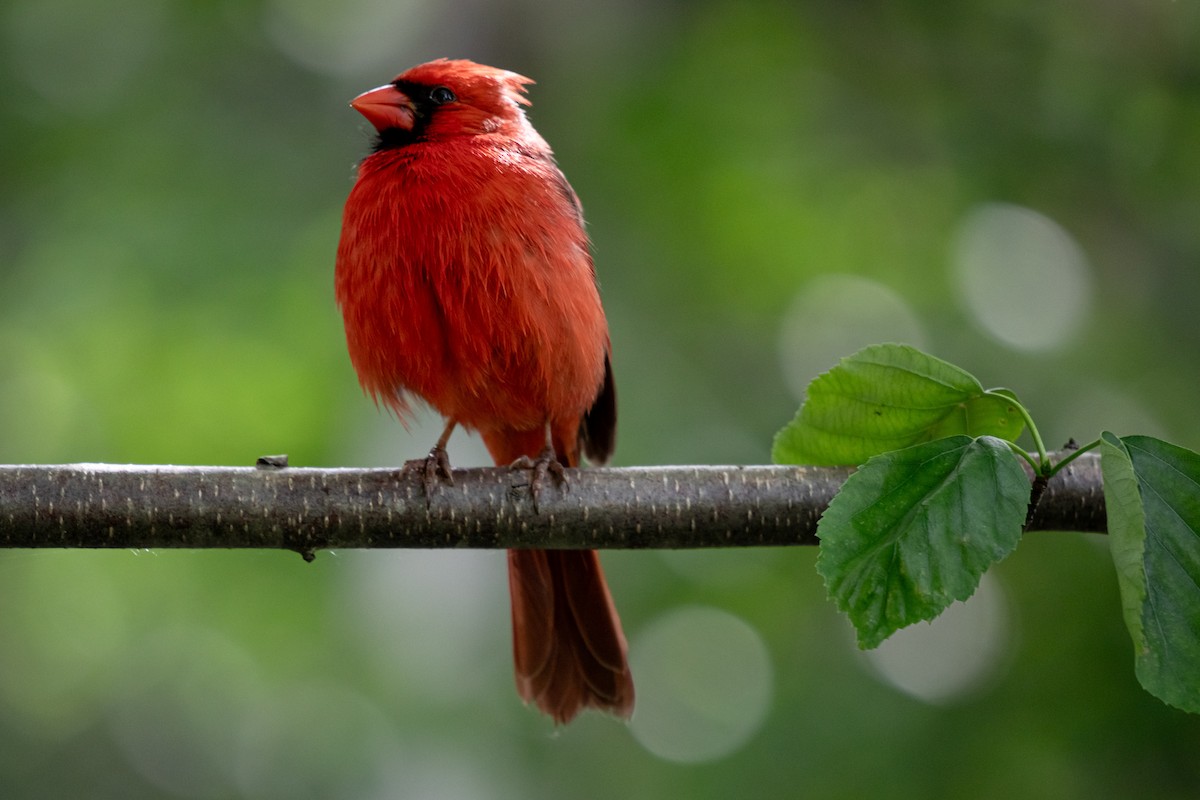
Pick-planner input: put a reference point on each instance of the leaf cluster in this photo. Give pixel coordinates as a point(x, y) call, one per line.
point(941, 494)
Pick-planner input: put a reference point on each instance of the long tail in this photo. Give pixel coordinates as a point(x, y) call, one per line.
point(568, 647)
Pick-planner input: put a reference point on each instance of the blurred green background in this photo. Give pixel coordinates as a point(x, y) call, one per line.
point(1012, 186)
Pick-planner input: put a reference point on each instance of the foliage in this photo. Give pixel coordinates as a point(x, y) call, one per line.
point(1152, 490)
point(914, 529)
point(886, 397)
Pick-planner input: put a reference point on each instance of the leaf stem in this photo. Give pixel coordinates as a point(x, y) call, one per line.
point(1042, 466)
point(1020, 451)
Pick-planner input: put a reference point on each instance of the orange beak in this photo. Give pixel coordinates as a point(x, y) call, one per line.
point(386, 107)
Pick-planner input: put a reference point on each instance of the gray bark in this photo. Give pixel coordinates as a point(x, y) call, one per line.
point(307, 509)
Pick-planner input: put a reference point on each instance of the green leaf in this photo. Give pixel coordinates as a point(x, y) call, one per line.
point(1152, 493)
point(889, 396)
point(914, 530)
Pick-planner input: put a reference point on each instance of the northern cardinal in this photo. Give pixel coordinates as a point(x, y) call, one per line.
point(465, 280)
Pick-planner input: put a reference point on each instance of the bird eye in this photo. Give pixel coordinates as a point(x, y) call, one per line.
point(440, 95)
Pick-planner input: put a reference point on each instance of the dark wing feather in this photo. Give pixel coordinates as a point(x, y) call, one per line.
point(598, 429)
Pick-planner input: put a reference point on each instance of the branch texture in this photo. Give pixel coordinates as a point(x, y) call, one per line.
point(307, 509)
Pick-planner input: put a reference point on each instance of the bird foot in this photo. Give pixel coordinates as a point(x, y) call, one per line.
point(433, 469)
point(546, 464)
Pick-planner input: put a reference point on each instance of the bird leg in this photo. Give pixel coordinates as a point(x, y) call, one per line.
point(546, 463)
point(436, 465)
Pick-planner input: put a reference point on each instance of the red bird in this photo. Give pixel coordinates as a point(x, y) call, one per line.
point(465, 279)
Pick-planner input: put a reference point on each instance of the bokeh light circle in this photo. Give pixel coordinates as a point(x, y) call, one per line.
point(834, 316)
point(953, 657)
point(704, 682)
point(1022, 277)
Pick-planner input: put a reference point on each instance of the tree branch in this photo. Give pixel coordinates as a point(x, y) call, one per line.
point(111, 506)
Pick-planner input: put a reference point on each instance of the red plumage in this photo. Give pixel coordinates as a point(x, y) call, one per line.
point(465, 279)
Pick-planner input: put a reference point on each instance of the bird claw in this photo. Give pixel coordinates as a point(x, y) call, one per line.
point(545, 464)
point(432, 469)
